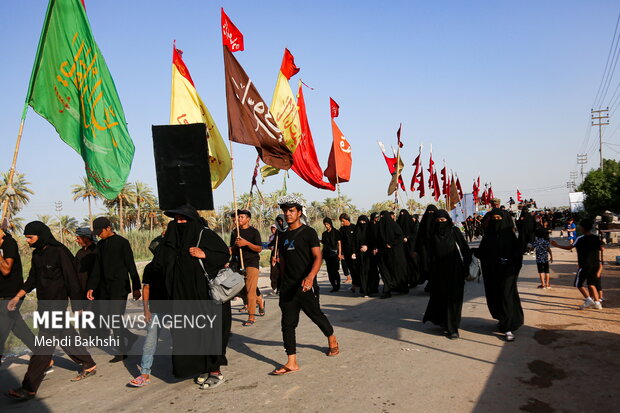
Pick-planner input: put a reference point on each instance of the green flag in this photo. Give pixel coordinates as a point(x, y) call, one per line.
point(71, 87)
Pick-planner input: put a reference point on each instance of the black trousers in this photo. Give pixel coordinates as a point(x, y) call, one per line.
point(116, 306)
point(355, 276)
point(13, 321)
point(291, 303)
point(42, 356)
point(333, 267)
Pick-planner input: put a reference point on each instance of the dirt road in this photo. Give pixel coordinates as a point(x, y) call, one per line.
point(564, 360)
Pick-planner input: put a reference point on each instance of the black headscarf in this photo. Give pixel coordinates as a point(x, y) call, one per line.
point(362, 230)
point(281, 227)
point(42, 231)
point(407, 224)
point(499, 239)
point(389, 231)
point(330, 238)
point(426, 223)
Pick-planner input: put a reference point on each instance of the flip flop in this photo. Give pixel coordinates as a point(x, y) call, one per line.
point(333, 351)
point(248, 323)
point(282, 371)
point(84, 374)
point(20, 395)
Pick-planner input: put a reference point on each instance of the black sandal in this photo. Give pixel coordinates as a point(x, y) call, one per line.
point(20, 395)
point(84, 374)
point(261, 311)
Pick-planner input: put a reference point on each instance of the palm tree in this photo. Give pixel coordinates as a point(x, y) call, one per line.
point(125, 198)
point(65, 225)
point(143, 196)
point(46, 219)
point(18, 193)
point(16, 225)
point(87, 191)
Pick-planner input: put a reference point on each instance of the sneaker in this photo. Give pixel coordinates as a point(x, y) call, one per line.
point(597, 305)
point(587, 303)
point(510, 336)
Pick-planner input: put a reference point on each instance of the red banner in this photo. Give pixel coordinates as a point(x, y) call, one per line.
point(305, 161)
point(231, 36)
point(334, 108)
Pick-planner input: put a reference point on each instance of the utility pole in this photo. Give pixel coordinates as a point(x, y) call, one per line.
point(58, 206)
point(571, 185)
point(573, 176)
point(602, 119)
point(582, 159)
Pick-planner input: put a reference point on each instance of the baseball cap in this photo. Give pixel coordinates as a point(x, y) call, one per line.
point(99, 224)
point(84, 232)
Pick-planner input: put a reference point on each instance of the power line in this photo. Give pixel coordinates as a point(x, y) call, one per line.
point(606, 71)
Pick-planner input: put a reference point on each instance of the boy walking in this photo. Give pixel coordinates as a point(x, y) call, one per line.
point(300, 258)
point(544, 256)
point(588, 246)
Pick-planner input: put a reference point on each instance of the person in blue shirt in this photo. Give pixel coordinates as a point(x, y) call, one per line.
point(571, 230)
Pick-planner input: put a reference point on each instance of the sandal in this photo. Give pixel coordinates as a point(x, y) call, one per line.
point(333, 351)
point(84, 374)
point(541, 286)
point(212, 382)
point(243, 309)
point(20, 394)
point(261, 311)
point(282, 371)
point(248, 323)
point(140, 381)
point(201, 379)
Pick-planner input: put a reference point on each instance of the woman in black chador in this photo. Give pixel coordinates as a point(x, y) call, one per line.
point(526, 225)
point(392, 258)
point(187, 242)
point(422, 245)
point(450, 263)
point(501, 259)
point(332, 250)
point(362, 249)
point(373, 265)
point(410, 227)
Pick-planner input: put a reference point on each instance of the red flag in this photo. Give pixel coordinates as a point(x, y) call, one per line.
point(431, 170)
point(255, 173)
point(391, 164)
point(421, 184)
point(416, 171)
point(490, 195)
point(519, 196)
point(445, 181)
point(436, 189)
point(340, 160)
point(484, 199)
point(288, 67)
point(305, 161)
point(459, 188)
point(400, 144)
point(231, 36)
point(334, 109)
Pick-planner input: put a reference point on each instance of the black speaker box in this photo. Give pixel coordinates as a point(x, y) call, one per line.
point(182, 166)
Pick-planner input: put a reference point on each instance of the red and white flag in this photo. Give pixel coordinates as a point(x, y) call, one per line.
point(418, 175)
point(458, 187)
point(519, 196)
point(231, 36)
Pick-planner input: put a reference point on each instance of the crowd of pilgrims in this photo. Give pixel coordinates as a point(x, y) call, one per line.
point(404, 252)
point(399, 251)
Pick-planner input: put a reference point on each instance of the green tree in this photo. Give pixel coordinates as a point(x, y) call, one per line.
point(125, 199)
point(602, 188)
point(143, 197)
point(65, 225)
point(85, 191)
point(18, 193)
point(46, 219)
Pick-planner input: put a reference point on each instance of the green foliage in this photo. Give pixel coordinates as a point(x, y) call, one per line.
point(602, 189)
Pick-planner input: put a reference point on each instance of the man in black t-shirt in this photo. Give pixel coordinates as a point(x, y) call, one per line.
point(11, 281)
point(245, 247)
point(589, 249)
point(300, 257)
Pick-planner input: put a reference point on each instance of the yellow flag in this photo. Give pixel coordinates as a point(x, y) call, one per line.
point(187, 107)
point(284, 109)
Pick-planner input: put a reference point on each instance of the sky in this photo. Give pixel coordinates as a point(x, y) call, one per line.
point(503, 89)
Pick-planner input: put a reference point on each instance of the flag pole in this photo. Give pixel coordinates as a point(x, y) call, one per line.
point(5, 203)
point(232, 176)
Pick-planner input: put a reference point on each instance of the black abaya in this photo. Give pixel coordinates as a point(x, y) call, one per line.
point(392, 258)
point(501, 259)
point(363, 258)
point(451, 258)
point(186, 280)
point(423, 242)
point(410, 229)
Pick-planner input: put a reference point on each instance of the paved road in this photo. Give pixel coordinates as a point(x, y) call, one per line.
point(564, 360)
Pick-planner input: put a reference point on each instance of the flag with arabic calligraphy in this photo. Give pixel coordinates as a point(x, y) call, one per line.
point(249, 120)
point(284, 108)
point(340, 160)
point(186, 106)
point(72, 88)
